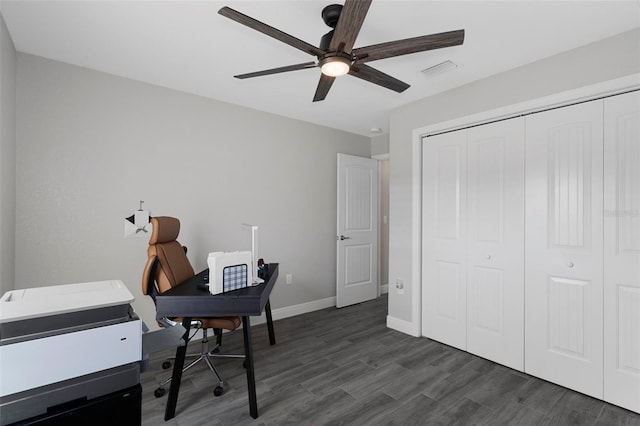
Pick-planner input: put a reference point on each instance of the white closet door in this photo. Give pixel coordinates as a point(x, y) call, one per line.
point(495, 261)
point(563, 254)
point(622, 251)
point(444, 238)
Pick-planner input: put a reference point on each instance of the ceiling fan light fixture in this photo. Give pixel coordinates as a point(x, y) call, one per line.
point(335, 66)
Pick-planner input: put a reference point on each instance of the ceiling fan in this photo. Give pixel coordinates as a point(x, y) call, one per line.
point(336, 55)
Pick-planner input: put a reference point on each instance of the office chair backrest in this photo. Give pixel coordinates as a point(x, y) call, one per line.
point(172, 265)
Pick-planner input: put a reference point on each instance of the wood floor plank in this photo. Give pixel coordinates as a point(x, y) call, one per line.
point(514, 413)
point(464, 412)
point(329, 406)
point(454, 386)
point(574, 409)
point(415, 384)
point(616, 416)
point(365, 412)
point(540, 395)
point(299, 374)
point(498, 389)
point(418, 411)
point(377, 380)
point(331, 380)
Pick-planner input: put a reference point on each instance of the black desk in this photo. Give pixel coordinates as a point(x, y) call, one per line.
point(187, 301)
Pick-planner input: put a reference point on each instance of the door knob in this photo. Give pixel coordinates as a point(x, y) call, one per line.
point(342, 237)
point(570, 264)
point(488, 257)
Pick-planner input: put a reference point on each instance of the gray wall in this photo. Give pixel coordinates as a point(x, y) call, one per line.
point(380, 144)
point(90, 145)
point(7, 158)
point(608, 59)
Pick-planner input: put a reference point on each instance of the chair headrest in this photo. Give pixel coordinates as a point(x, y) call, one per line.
point(165, 229)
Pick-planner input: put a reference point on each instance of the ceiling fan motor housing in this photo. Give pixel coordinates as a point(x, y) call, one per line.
point(331, 13)
point(325, 41)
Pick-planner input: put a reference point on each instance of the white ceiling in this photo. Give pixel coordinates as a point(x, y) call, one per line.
point(187, 46)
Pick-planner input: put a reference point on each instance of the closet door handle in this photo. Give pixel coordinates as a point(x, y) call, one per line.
point(570, 264)
point(488, 257)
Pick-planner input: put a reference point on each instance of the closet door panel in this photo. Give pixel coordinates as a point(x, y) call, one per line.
point(495, 276)
point(444, 238)
point(622, 251)
point(563, 254)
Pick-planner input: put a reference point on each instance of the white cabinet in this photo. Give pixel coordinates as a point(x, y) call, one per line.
point(473, 226)
point(444, 236)
point(531, 244)
point(563, 254)
point(622, 251)
point(495, 243)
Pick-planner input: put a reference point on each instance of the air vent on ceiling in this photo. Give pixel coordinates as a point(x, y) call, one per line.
point(439, 68)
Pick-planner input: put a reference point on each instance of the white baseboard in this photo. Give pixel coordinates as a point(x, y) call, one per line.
point(292, 311)
point(286, 312)
point(316, 305)
point(402, 326)
point(384, 289)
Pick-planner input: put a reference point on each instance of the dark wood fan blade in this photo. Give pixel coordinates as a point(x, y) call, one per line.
point(374, 76)
point(349, 24)
point(277, 70)
point(409, 45)
point(323, 87)
point(270, 31)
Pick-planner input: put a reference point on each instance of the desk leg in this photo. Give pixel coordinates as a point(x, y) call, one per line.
point(272, 333)
point(176, 376)
point(251, 378)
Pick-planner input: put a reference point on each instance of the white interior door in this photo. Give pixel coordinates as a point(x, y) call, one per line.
point(357, 230)
point(495, 257)
point(444, 238)
point(622, 251)
point(563, 254)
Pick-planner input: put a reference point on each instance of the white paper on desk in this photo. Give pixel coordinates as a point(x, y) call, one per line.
point(220, 260)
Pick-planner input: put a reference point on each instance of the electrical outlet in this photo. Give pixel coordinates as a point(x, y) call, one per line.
point(400, 285)
point(289, 279)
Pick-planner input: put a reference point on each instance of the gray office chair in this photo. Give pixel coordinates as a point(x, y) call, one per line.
point(168, 266)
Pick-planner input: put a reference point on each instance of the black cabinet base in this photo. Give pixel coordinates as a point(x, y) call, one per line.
point(122, 408)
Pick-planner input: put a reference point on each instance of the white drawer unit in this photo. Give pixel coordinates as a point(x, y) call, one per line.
point(39, 362)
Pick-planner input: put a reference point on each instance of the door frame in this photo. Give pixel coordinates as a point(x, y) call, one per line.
point(382, 287)
point(565, 98)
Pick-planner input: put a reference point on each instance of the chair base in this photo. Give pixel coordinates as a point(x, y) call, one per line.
point(205, 355)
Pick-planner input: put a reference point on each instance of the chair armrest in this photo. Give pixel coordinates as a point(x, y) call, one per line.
point(148, 278)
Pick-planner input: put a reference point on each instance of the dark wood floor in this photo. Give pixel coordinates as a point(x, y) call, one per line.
point(344, 366)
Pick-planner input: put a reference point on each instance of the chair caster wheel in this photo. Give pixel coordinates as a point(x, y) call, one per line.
point(159, 392)
point(218, 391)
point(166, 365)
